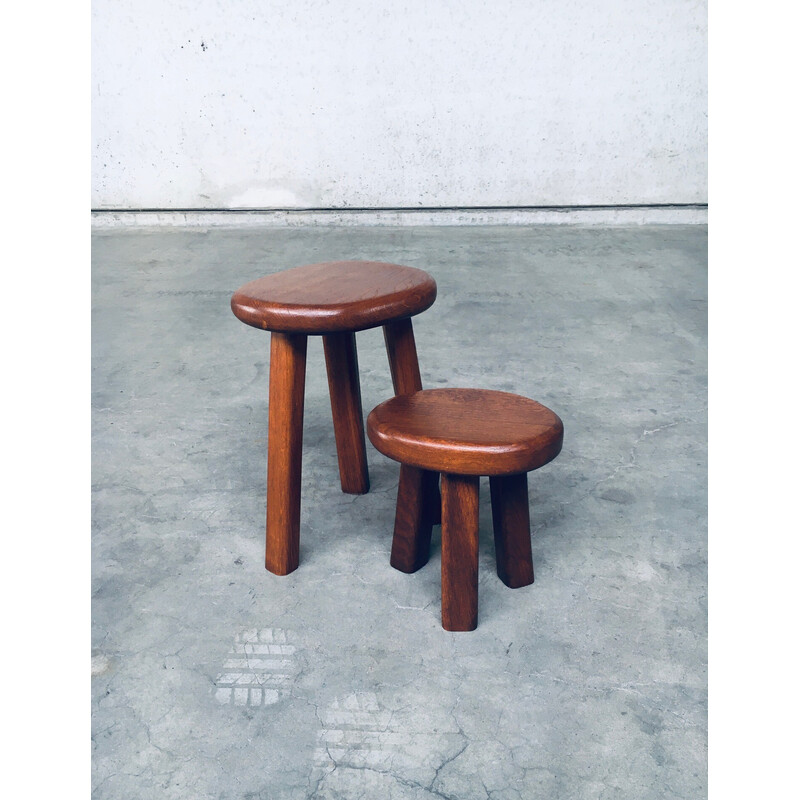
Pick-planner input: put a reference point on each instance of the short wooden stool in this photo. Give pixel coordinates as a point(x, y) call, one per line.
point(464, 433)
point(333, 299)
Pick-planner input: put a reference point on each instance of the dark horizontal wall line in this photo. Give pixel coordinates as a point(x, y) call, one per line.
point(396, 208)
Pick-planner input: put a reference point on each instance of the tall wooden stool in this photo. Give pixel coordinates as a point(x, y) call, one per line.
point(464, 433)
point(334, 300)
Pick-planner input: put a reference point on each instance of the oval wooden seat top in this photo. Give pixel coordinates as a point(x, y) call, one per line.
point(466, 431)
point(334, 296)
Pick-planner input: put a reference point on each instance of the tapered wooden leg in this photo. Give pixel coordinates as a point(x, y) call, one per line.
point(402, 351)
point(512, 529)
point(287, 378)
point(341, 359)
point(401, 348)
point(459, 552)
point(417, 491)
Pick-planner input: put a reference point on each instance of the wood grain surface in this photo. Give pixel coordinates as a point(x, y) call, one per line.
point(341, 360)
point(459, 552)
point(466, 431)
point(287, 376)
point(334, 296)
point(512, 529)
point(417, 500)
point(401, 349)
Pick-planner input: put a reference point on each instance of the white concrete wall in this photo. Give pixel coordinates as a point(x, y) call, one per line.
point(304, 104)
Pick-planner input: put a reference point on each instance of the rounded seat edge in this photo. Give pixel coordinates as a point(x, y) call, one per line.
point(259, 305)
point(463, 458)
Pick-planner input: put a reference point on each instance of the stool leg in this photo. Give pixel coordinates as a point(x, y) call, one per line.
point(460, 552)
point(287, 377)
point(402, 351)
point(341, 359)
point(401, 348)
point(512, 529)
point(417, 491)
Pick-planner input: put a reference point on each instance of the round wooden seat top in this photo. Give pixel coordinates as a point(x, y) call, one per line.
point(334, 296)
point(466, 431)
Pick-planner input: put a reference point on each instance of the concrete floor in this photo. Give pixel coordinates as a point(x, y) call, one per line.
point(591, 683)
